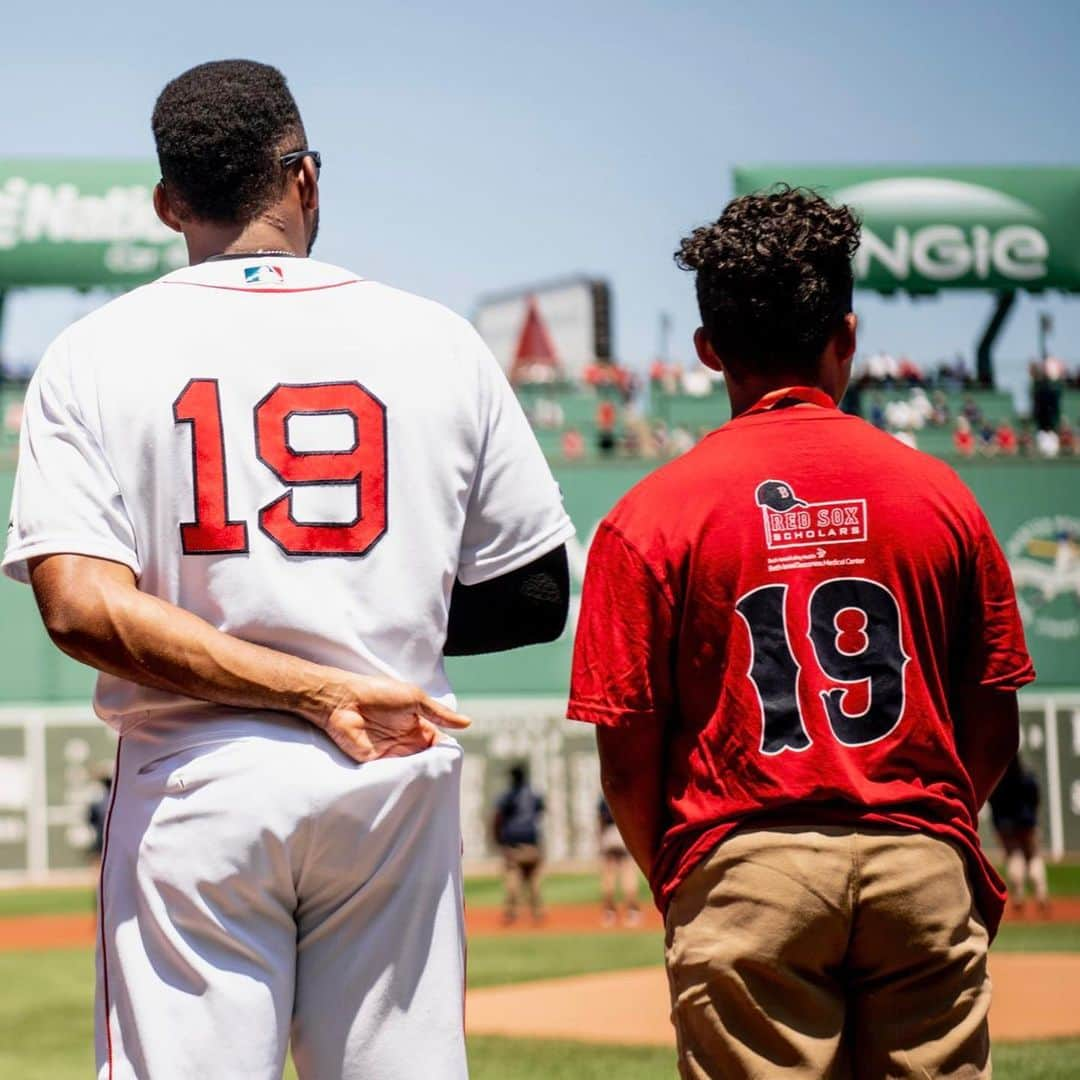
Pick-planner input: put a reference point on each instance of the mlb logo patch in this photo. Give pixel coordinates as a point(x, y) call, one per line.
point(791, 522)
point(264, 274)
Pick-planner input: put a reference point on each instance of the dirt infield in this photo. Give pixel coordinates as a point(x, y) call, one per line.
point(71, 930)
point(631, 1007)
point(1034, 994)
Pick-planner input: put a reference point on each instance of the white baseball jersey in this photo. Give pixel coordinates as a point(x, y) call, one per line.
point(304, 458)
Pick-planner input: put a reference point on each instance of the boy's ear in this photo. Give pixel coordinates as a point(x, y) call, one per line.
point(706, 353)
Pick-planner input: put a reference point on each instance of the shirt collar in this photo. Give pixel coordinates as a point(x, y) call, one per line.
point(802, 395)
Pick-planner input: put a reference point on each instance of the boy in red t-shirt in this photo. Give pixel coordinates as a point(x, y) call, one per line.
point(801, 647)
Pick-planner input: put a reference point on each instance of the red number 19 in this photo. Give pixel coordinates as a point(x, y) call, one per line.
point(363, 466)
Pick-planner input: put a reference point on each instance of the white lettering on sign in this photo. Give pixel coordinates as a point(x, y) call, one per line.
point(36, 212)
point(949, 252)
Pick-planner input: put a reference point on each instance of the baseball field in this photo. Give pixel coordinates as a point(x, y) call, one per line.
point(566, 999)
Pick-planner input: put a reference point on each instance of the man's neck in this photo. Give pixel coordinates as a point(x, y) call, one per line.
point(204, 241)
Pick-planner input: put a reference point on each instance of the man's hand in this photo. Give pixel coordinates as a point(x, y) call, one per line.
point(95, 612)
point(376, 717)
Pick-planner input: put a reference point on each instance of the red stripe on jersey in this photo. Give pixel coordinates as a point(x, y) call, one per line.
point(101, 910)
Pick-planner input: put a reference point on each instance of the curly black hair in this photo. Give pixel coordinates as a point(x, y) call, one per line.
point(774, 278)
point(220, 129)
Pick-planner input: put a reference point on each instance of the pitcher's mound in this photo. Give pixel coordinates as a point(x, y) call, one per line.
point(1034, 998)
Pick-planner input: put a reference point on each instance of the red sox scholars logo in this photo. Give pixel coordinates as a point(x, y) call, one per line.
point(791, 522)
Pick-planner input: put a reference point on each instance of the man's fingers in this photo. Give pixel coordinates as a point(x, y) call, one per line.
point(441, 714)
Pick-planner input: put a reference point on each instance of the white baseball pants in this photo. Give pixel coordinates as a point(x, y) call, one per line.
point(256, 885)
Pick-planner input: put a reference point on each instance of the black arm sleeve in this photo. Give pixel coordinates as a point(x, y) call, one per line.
point(524, 607)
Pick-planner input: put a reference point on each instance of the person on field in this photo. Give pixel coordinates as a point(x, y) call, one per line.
point(516, 828)
point(265, 497)
point(1014, 808)
point(618, 871)
point(801, 648)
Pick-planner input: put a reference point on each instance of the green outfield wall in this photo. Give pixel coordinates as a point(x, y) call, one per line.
point(1034, 507)
point(51, 746)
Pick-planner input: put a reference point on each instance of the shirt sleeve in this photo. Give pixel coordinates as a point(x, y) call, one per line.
point(66, 498)
point(515, 512)
point(622, 674)
point(996, 653)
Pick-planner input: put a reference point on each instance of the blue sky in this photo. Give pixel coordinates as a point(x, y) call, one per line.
point(476, 146)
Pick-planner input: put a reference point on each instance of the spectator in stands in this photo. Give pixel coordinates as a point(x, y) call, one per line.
point(1026, 439)
point(1066, 439)
point(548, 414)
point(1014, 807)
point(1046, 391)
point(516, 828)
point(659, 437)
point(696, 383)
point(13, 415)
point(909, 372)
point(96, 813)
point(573, 444)
point(605, 428)
point(877, 412)
point(681, 440)
point(922, 408)
point(987, 439)
point(940, 414)
point(881, 367)
point(971, 411)
point(1005, 438)
point(617, 870)
point(963, 440)
point(1047, 443)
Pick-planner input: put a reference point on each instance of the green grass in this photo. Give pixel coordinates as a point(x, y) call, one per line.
point(484, 891)
point(513, 958)
point(557, 888)
point(64, 900)
point(479, 892)
point(46, 1014)
point(1038, 937)
point(47, 1022)
point(535, 1059)
point(1055, 1059)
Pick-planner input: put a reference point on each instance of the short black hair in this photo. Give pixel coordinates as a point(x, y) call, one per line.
point(220, 129)
point(774, 278)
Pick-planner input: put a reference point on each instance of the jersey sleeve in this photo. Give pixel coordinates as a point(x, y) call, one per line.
point(621, 674)
point(515, 512)
point(66, 498)
point(996, 653)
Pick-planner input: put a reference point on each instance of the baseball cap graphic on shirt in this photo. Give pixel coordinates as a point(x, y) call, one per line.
point(263, 274)
point(791, 522)
point(776, 495)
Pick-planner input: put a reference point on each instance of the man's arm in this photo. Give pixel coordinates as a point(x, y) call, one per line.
point(987, 724)
point(632, 779)
point(525, 607)
point(95, 612)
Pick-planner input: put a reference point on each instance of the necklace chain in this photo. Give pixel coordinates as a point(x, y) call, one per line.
point(251, 254)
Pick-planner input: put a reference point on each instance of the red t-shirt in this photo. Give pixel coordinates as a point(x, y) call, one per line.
point(796, 602)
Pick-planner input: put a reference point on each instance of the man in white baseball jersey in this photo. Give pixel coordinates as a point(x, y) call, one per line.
point(264, 496)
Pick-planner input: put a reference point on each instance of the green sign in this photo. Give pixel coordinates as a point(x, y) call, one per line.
point(82, 223)
point(926, 228)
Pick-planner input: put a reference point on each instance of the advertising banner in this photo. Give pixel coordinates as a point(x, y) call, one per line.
point(82, 223)
point(927, 228)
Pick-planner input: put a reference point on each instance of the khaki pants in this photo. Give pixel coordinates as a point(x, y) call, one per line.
point(521, 870)
point(829, 952)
